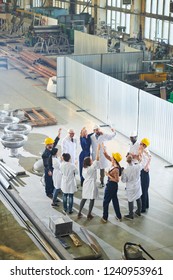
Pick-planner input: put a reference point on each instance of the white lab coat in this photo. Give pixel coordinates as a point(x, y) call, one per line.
point(89, 189)
point(68, 183)
point(146, 158)
point(103, 162)
point(134, 149)
point(57, 175)
point(131, 176)
point(70, 147)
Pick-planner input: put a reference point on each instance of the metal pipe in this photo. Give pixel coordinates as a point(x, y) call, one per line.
point(4, 182)
point(35, 226)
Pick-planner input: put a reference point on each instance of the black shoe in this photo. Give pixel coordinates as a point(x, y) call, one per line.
point(119, 219)
point(90, 217)
point(104, 221)
point(138, 213)
point(70, 212)
point(54, 204)
point(143, 211)
point(50, 195)
point(128, 217)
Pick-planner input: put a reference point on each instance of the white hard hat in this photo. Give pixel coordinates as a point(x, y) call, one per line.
point(71, 130)
point(133, 133)
point(96, 127)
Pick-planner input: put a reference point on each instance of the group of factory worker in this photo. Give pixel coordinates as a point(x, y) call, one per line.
point(60, 172)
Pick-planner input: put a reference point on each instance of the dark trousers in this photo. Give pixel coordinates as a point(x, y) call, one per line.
point(82, 155)
point(145, 181)
point(91, 204)
point(111, 194)
point(49, 187)
point(102, 175)
point(68, 202)
point(131, 207)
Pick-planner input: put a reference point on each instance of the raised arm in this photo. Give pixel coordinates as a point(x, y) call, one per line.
point(57, 138)
point(107, 137)
point(105, 153)
point(98, 152)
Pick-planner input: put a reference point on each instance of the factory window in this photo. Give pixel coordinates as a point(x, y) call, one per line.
point(171, 32)
point(19, 4)
point(167, 7)
point(159, 24)
point(119, 3)
point(165, 30)
point(113, 3)
point(113, 20)
point(109, 17)
point(123, 19)
point(128, 23)
point(160, 7)
point(154, 7)
point(37, 3)
point(116, 18)
point(158, 29)
point(85, 8)
point(153, 29)
point(147, 28)
point(148, 6)
point(59, 4)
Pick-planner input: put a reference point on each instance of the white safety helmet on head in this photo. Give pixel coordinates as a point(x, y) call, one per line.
point(96, 127)
point(71, 130)
point(133, 134)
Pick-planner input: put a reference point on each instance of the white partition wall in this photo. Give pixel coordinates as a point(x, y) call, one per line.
point(114, 102)
point(87, 44)
point(156, 123)
point(87, 88)
point(60, 89)
point(123, 106)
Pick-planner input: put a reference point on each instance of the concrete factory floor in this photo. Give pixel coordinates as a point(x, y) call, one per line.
point(153, 230)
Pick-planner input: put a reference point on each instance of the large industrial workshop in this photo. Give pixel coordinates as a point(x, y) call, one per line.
point(86, 129)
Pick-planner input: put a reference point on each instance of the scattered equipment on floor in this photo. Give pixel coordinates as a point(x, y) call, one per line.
point(75, 240)
point(35, 116)
point(133, 251)
point(60, 226)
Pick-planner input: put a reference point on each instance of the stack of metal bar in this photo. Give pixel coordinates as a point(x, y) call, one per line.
point(9, 178)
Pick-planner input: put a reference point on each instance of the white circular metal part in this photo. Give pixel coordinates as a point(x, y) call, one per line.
point(18, 128)
point(13, 141)
point(6, 120)
point(3, 113)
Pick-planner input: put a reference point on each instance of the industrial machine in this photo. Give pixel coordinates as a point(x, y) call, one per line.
point(57, 38)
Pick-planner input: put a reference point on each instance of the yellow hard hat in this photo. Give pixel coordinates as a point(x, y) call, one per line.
point(145, 141)
point(48, 141)
point(117, 157)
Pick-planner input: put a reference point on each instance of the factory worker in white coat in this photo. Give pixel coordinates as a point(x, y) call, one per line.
point(131, 176)
point(89, 190)
point(68, 183)
point(134, 146)
point(69, 145)
point(98, 137)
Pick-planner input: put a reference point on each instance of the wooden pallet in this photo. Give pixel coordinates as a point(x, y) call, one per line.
point(39, 117)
